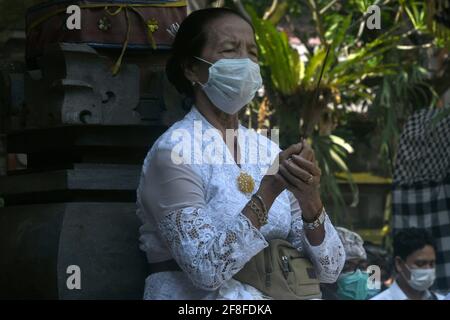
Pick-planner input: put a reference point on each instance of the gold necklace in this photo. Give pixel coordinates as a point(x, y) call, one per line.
point(245, 182)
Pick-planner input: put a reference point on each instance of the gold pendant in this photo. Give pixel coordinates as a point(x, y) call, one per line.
point(245, 182)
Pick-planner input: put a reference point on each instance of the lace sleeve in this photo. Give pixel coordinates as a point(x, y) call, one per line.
point(208, 253)
point(328, 257)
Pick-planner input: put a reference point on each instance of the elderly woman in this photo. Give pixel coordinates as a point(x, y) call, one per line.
point(207, 208)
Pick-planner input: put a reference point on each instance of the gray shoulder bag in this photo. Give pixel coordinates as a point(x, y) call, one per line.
point(281, 272)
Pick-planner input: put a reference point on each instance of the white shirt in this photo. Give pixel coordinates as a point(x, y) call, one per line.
point(193, 213)
point(394, 292)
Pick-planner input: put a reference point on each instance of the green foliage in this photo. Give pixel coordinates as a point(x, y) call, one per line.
point(288, 73)
point(292, 7)
point(331, 154)
point(421, 14)
point(377, 68)
point(283, 62)
point(416, 13)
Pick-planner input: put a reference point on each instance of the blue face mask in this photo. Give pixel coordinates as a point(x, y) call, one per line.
point(232, 83)
point(353, 285)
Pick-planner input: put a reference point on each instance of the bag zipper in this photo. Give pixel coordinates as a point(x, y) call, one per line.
point(285, 266)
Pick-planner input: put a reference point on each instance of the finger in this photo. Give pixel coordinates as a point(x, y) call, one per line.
point(293, 149)
point(290, 178)
point(282, 180)
point(307, 165)
point(296, 171)
point(308, 152)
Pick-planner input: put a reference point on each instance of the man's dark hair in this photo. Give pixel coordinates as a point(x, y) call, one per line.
point(189, 42)
point(407, 241)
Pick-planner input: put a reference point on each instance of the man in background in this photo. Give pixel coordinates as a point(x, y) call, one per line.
point(414, 260)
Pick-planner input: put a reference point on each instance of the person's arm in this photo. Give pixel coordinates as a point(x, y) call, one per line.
point(302, 175)
point(328, 257)
point(208, 251)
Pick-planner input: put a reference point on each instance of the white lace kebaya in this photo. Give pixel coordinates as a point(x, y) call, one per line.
point(192, 213)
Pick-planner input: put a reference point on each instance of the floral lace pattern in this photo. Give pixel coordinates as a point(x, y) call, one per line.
point(328, 258)
point(209, 255)
point(213, 241)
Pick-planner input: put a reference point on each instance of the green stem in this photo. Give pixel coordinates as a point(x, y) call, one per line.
point(316, 17)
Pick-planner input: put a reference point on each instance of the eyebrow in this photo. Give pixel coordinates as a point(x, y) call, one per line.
point(227, 41)
point(234, 42)
point(424, 260)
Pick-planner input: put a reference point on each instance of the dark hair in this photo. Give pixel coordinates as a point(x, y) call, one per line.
point(189, 42)
point(407, 241)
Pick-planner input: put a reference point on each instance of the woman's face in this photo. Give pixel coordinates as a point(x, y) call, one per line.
point(228, 37)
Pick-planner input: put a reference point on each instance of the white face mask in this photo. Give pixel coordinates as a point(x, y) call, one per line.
point(421, 279)
point(232, 83)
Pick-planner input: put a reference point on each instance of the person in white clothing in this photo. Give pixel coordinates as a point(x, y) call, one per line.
point(208, 204)
point(415, 259)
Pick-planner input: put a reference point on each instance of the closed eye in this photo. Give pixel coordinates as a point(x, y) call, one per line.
point(422, 263)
